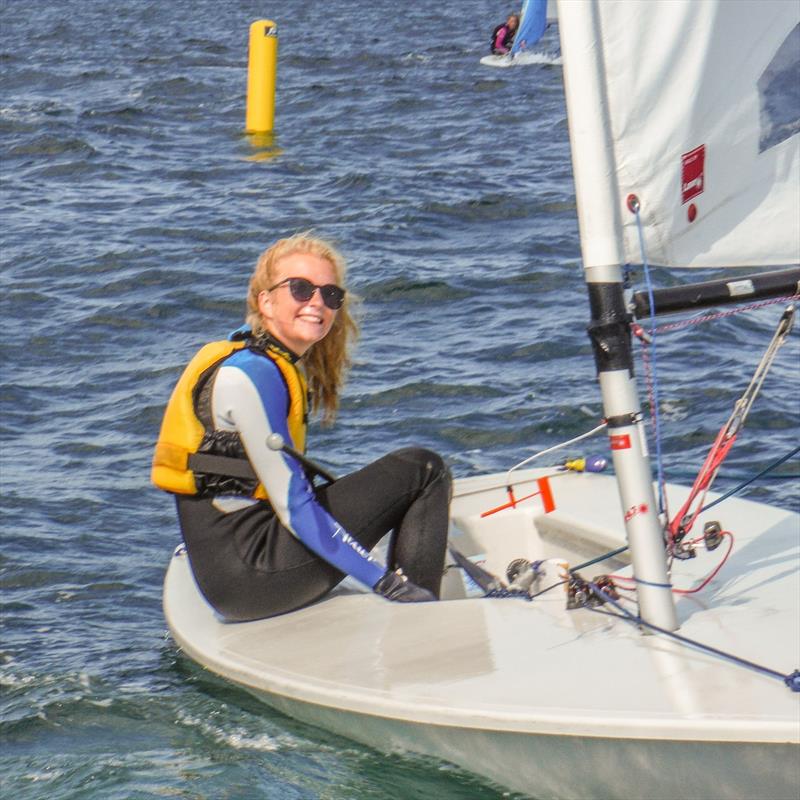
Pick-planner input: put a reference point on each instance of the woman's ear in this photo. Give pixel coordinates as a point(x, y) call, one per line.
point(265, 304)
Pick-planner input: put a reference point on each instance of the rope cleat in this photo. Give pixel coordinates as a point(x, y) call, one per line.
point(606, 584)
point(712, 535)
point(578, 592)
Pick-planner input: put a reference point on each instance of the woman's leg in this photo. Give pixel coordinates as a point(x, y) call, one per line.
point(408, 492)
point(249, 566)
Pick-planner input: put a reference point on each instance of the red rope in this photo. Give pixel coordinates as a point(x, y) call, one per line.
point(682, 522)
point(722, 444)
point(710, 577)
point(716, 455)
point(714, 572)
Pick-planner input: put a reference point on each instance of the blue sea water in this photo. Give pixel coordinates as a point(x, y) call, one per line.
point(133, 209)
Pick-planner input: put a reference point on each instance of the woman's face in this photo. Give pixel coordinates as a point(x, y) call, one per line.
point(298, 324)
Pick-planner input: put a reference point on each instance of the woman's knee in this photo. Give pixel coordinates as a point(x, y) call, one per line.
point(431, 465)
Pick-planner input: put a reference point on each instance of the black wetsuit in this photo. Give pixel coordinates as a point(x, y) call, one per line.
point(255, 558)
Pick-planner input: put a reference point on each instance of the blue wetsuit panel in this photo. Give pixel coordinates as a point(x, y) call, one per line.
point(290, 491)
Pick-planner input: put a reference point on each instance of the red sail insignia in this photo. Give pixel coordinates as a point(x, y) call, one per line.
point(692, 173)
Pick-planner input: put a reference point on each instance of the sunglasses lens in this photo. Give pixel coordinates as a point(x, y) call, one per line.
point(332, 296)
point(301, 289)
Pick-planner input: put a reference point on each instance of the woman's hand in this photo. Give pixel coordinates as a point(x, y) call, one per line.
point(397, 587)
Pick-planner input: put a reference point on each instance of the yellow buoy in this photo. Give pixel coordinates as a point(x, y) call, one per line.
point(262, 69)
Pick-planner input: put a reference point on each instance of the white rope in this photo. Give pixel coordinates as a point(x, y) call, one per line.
point(554, 448)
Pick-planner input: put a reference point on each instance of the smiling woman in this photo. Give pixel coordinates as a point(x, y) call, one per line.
point(262, 539)
point(321, 331)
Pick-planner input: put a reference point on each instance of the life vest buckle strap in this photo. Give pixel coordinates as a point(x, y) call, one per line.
point(209, 464)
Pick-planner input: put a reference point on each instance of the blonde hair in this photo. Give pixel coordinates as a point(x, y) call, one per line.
point(326, 362)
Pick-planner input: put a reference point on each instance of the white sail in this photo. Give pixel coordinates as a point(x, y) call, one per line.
point(700, 100)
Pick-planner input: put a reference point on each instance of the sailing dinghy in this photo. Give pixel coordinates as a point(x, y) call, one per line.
point(533, 23)
point(615, 658)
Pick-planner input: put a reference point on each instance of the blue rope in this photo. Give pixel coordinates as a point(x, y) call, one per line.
point(651, 583)
point(754, 478)
point(792, 680)
point(610, 554)
point(505, 593)
point(656, 415)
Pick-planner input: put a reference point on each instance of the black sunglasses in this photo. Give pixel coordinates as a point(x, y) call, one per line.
point(303, 290)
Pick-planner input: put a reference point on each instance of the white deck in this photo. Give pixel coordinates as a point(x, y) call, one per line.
point(541, 699)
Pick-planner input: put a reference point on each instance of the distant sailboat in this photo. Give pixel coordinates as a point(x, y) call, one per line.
point(532, 25)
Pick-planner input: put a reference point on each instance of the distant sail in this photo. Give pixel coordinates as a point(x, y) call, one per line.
point(532, 24)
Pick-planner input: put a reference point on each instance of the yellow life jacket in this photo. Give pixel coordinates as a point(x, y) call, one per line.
point(186, 437)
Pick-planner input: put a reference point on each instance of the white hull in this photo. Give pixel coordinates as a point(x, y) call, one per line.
point(546, 701)
point(521, 60)
point(497, 61)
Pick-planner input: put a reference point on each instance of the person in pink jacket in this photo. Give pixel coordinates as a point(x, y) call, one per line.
point(503, 35)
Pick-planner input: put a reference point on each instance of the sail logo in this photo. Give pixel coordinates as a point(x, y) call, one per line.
point(692, 173)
